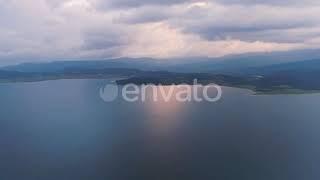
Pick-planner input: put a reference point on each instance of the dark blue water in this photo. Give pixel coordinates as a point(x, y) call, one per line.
point(63, 130)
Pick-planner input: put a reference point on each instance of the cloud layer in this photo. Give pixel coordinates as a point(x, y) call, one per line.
point(35, 30)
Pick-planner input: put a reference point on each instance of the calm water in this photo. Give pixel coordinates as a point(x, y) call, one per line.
point(62, 130)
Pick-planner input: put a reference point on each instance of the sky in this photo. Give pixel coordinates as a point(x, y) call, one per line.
point(40, 30)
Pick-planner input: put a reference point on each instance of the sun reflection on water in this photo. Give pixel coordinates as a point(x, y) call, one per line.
point(165, 114)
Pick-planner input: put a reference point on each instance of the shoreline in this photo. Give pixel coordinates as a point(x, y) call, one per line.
point(283, 91)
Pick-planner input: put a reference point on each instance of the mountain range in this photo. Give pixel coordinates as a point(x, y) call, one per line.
point(265, 72)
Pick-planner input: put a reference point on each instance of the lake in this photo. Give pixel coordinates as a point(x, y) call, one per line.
point(63, 130)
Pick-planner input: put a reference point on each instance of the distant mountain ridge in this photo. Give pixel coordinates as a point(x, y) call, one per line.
point(292, 67)
point(61, 65)
point(267, 73)
point(232, 64)
point(294, 77)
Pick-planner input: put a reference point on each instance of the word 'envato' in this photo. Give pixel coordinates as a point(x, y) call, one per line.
point(180, 93)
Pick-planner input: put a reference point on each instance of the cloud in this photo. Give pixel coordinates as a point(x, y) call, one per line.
point(212, 20)
point(148, 14)
point(135, 3)
point(246, 23)
point(161, 41)
point(41, 30)
point(270, 2)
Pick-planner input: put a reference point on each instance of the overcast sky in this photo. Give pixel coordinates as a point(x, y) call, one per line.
point(98, 29)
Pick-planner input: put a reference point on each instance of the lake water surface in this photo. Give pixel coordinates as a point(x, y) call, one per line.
point(62, 130)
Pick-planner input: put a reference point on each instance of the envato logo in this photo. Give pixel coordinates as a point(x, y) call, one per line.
point(180, 93)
